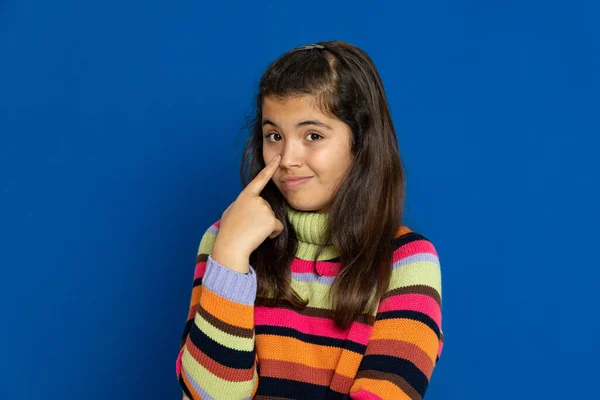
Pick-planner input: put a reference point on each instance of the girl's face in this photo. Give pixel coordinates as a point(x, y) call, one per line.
point(311, 144)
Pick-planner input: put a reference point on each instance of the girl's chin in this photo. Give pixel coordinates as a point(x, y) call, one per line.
point(304, 206)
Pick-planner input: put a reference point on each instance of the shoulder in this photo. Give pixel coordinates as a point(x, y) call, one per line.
point(208, 238)
point(415, 261)
point(408, 242)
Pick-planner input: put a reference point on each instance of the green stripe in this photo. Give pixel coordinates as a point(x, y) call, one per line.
point(318, 293)
point(207, 243)
point(417, 273)
point(307, 251)
point(224, 338)
point(216, 387)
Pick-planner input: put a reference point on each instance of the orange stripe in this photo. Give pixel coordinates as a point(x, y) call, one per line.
point(293, 350)
point(383, 389)
point(410, 331)
point(403, 230)
point(348, 363)
point(196, 291)
point(227, 311)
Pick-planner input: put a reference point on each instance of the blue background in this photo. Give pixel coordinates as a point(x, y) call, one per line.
point(120, 141)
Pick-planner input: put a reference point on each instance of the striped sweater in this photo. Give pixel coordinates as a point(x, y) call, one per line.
point(231, 349)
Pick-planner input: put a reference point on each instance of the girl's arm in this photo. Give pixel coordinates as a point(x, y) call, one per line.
point(406, 341)
point(217, 356)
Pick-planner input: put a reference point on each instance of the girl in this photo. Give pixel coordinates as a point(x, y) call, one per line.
point(309, 286)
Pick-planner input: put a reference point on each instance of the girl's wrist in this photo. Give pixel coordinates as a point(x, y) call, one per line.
point(231, 257)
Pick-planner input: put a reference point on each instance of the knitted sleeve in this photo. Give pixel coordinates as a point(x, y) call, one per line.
point(407, 339)
point(217, 356)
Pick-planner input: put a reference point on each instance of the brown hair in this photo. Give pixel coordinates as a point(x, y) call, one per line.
point(366, 211)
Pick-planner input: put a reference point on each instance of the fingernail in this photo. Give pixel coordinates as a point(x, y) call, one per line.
point(277, 158)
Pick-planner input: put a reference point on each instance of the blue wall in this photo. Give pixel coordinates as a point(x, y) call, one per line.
point(120, 143)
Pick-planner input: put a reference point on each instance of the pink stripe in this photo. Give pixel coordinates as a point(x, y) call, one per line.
point(200, 269)
point(412, 248)
point(414, 302)
point(178, 363)
point(307, 267)
point(363, 394)
point(357, 332)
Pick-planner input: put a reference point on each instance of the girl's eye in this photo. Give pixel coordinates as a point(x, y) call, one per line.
point(315, 137)
point(268, 135)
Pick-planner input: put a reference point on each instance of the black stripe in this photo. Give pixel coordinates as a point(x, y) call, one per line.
point(223, 355)
point(407, 238)
point(276, 387)
point(398, 366)
point(314, 339)
point(286, 388)
point(410, 314)
point(333, 395)
point(186, 330)
point(197, 282)
point(183, 386)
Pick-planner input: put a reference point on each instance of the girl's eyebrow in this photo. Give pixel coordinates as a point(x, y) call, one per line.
point(300, 124)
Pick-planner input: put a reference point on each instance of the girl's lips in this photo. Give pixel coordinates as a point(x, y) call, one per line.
point(292, 184)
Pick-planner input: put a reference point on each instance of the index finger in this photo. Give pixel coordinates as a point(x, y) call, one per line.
point(260, 181)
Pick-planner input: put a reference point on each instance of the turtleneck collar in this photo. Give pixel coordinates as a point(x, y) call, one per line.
point(311, 230)
point(310, 226)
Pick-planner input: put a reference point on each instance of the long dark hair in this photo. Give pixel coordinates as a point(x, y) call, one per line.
point(366, 211)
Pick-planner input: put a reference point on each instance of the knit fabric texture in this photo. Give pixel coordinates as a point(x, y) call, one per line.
point(232, 349)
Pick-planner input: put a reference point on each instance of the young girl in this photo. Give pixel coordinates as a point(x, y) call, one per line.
point(309, 286)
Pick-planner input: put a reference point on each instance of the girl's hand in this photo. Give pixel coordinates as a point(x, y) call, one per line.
point(249, 220)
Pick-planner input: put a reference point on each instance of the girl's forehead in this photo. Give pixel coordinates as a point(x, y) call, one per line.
point(305, 99)
point(291, 106)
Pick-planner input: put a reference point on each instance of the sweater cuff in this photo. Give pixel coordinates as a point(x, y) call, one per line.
point(232, 285)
